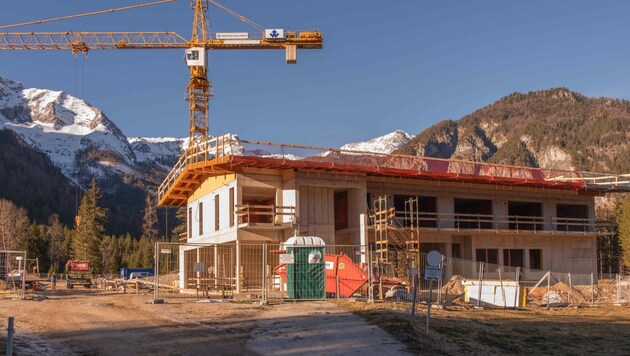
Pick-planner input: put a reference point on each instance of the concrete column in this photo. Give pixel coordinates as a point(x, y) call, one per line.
point(449, 254)
point(500, 212)
point(445, 209)
point(550, 213)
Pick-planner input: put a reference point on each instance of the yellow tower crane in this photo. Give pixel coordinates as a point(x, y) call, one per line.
point(198, 90)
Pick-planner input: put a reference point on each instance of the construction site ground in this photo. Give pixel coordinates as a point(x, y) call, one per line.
point(467, 330)
point(95, 322)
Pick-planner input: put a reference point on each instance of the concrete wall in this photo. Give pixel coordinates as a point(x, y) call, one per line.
point(447, 192)
point(560, 253)
point(207, 194)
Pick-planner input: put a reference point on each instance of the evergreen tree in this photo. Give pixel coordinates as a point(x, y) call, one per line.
point(150, 222)
point(90, 229)
point(111, 254)
point(57, 234)
point(623, 221)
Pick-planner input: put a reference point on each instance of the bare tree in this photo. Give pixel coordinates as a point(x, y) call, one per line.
point(13, 224)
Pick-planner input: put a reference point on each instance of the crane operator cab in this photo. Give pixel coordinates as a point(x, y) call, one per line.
point(196, 57)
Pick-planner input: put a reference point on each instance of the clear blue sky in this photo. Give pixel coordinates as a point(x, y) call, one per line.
point(385, 65)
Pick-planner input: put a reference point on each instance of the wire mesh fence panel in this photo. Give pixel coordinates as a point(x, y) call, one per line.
point(279, 272)
point(13, 271)
point(196, 270)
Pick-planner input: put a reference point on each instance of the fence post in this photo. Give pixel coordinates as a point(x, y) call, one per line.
point(238, 267)
point(415, 296)
point(618, 289)
point(570, 290)
point(548, 288)
point(156, 278)
point(264, 274)
point(24, 278)
point(592, 290)
point(502, 289)
point(480, 284)
point(517, 278)
point(10, 332)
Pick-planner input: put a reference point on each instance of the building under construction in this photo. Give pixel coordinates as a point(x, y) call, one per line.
point(246, 192)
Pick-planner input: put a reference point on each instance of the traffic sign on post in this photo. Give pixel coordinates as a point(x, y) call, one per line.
point(432, 272)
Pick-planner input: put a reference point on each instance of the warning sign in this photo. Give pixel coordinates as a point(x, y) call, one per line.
point(287, 258)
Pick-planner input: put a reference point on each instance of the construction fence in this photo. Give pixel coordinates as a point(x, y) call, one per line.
point(13, 270)
point(269, 272)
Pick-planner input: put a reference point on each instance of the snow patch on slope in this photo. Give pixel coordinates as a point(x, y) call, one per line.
point(383, 144)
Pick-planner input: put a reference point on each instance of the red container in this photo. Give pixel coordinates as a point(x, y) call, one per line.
point(351, 276)
point(78, 266)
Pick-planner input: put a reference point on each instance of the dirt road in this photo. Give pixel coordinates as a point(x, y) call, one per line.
point(96, 323)
point(93, 322)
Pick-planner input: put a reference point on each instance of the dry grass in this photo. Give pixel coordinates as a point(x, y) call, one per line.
point(577, 331)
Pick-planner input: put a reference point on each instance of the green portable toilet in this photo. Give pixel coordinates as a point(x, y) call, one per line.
point(306, 276)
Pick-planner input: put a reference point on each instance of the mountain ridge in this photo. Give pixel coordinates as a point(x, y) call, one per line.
point(553, 128)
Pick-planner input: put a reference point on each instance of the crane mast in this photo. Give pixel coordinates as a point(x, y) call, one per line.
point(198, 86)
point(198, 91)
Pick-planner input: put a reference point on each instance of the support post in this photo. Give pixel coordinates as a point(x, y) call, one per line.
point(415, 297)
point(426, 330)
point(264, 274)
point(502, 289)
point(238, 267)
point(592, 290)
point(570, 290)
point(10, 332)
point(548, 287)
point(618, 289)
point(216, 266)
point(156, 258)
point(480, 284)
point(517, 278)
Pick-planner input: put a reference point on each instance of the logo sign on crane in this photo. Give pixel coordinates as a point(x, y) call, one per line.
point(274, 34)
point(433, 271)
point(232, 35)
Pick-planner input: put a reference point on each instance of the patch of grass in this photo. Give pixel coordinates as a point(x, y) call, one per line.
point(451, 330)
point(505, 342)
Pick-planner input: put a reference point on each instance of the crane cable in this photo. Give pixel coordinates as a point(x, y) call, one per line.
point(237, 15)
point(87, 14)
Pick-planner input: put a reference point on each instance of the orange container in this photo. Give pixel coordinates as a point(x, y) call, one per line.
point(351, 276)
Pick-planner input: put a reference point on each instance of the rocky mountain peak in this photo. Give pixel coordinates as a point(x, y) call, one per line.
point(554, 128)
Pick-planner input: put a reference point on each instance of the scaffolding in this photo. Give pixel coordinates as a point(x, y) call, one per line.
point(397, 255)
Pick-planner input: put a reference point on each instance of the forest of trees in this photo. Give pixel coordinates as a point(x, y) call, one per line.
point(53, 243)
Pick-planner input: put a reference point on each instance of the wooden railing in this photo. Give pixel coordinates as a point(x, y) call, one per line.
point(260, 215)
point(197, 152)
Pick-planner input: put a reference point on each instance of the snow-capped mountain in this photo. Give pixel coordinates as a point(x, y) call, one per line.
point(80, 139)
point(383, 144)
point(67, 129)
point(162, 150)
